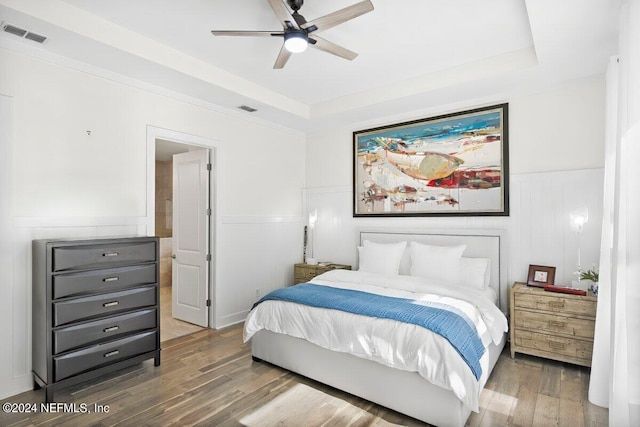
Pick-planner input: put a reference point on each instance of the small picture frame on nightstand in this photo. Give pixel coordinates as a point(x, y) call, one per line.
point(541, 276)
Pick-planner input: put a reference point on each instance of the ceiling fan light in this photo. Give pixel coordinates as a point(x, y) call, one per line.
point(296, 42)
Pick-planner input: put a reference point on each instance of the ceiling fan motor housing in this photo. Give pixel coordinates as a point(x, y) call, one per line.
point(295, 4)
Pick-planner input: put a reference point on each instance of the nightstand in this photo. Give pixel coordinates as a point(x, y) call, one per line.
point(304, 272)
point(553, 325)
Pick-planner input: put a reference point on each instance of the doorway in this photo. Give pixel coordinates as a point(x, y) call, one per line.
point(162, 146)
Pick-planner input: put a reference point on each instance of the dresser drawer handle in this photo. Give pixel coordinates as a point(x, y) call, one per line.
point(111, 329)
point(110, 279)
point(557, 324)
point(112, 353)
point(557, 345)
point(556, 304)
point(110, 254)
point(111, 304)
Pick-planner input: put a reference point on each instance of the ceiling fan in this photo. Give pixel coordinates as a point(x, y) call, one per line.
point(299, 34)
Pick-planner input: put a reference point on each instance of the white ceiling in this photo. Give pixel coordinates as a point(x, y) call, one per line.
point(413, 54)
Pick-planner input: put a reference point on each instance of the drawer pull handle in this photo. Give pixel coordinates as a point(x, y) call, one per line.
point(110, 254)
point(111, 329)
point(112, 353)
point(111, 304)
point(557, 324)
point(557, 345)
point(556, 304)
point(110, 279)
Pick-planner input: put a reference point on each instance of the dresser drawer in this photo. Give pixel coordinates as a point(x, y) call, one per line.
point(303, 279)
point(102, 304)
point(84, 334)
point(305, 274)
point(102, 256)
point(556, 324)
point(555, 303)
point(554, 344)
point(93, 357)
point(103, 280)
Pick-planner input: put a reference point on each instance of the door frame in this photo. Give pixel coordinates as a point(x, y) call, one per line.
point(154, 133)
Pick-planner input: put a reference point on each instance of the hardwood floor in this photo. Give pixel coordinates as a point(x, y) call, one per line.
point(208, 379)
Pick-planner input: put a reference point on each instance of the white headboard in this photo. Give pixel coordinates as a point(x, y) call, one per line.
point(485, 244)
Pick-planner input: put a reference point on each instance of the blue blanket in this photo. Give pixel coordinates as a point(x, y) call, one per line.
point(454, 326)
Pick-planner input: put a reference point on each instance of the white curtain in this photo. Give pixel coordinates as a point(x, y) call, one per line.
point(600, 372)
point(615, 372)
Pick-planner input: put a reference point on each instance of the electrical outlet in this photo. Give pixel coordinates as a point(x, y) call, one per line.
point(258, 293)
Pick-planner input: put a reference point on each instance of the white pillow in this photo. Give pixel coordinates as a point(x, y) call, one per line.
point(382, 258)
point(475, 272)
point(436, 262)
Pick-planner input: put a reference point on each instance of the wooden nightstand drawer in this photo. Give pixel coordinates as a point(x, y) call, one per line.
point(551, 325)
point(557, 304)
point(305, 273)
point(554, 345)
point(564, 325)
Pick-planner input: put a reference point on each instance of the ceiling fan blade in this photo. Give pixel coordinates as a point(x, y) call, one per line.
point(339, 16)
point(283, 14)
point(330, 47)
point(247, 33)
point(282, 58)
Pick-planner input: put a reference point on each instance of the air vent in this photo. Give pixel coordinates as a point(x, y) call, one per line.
point(247, 108)
point(35, 37)
point(20, 32)
point(14, 30)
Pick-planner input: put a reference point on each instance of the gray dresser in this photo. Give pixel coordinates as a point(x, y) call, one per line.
point(95, 308)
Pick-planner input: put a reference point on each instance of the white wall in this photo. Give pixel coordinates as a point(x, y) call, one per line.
point(66, 183)
point(6, 235)
point(556, 159)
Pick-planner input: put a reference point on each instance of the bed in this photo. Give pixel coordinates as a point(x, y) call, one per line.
point(389, 370)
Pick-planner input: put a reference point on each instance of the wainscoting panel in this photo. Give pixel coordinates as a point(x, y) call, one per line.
point(541, 231)
point(251, 253)
point(7, 247)
point(537, 231)
point(256, 256)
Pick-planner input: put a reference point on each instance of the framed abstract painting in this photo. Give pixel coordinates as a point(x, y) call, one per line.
point(450, 165)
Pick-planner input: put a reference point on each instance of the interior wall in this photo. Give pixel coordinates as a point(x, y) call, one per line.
point(164, 198)
point(79, 155)
point(164, 217)
point(561, 129)
point(556, 150)
point(7, 292)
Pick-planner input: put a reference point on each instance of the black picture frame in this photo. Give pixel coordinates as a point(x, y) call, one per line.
point(541, 276)
point(449, 165)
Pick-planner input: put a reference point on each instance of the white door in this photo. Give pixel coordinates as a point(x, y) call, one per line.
point(190, 243)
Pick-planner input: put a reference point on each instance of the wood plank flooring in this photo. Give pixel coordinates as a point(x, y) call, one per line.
point(208, 379)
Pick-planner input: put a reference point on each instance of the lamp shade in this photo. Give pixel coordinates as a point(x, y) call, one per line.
point(579, 218)
point(296, 41)
point(313, 217)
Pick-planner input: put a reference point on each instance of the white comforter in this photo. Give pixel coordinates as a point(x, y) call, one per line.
point(399, 345)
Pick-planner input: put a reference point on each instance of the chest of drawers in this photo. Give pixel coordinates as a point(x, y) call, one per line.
point(303, 272)
point(95, 308)
point(553, 325)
